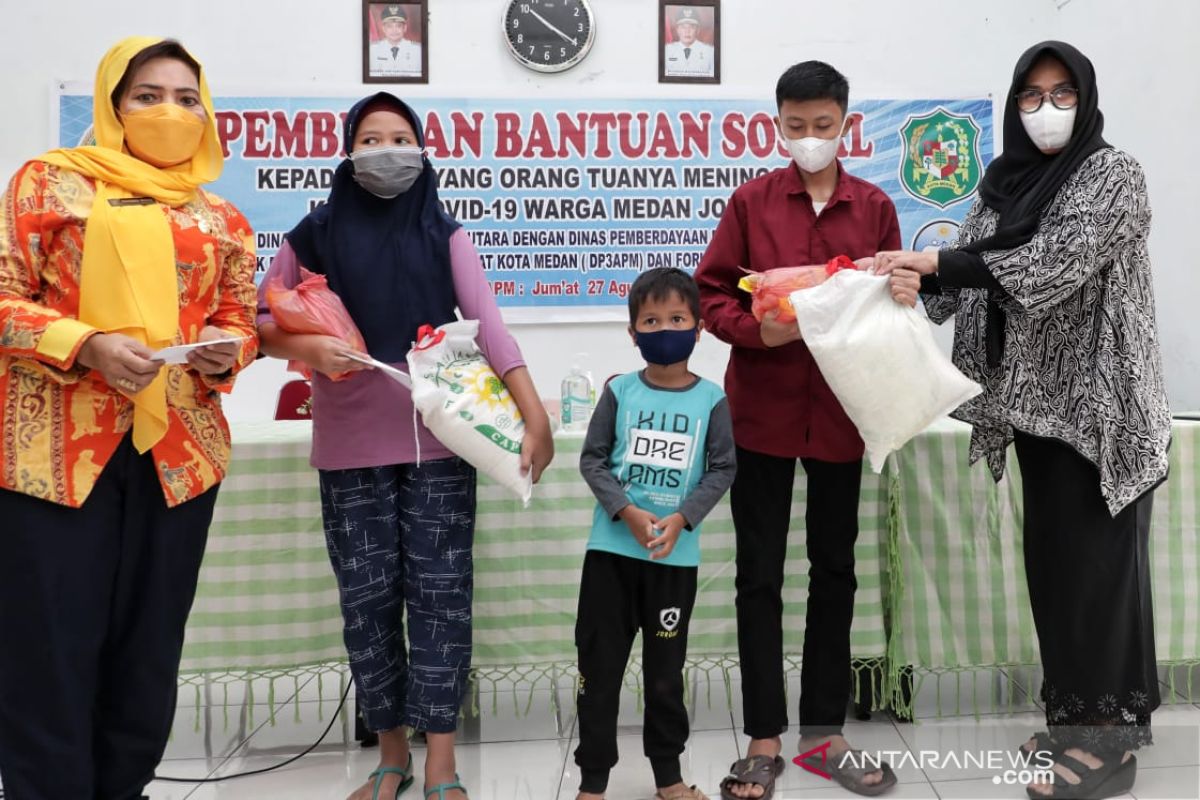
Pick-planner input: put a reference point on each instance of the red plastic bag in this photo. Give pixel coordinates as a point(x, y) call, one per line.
point(769, 290)
point(312, 307)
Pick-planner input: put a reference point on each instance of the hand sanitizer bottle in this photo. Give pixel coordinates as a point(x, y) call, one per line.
point(576, 397)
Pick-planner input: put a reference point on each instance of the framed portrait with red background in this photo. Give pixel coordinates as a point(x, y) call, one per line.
point(395, 42)
point(689, 41)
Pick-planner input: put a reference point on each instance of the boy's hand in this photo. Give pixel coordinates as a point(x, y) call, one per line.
point(640, 523)
point(668, 529)
point(775, 333)
point(905, 285)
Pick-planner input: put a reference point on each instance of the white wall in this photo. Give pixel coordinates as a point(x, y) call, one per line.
point(1145, 55)
point(1147, 63)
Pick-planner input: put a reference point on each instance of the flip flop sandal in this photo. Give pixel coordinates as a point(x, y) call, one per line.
point(441, 789)
point(1111, 779)
point(406, 778)
point(690, 793)
point(755, 770)
point(852, 776)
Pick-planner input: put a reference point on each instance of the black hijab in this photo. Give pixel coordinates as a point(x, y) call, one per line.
point(388, 260)
point(1021, 182)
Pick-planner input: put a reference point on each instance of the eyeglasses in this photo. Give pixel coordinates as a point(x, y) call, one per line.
point(1064, 97)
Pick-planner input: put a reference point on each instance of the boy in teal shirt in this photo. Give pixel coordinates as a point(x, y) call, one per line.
point(658, 455)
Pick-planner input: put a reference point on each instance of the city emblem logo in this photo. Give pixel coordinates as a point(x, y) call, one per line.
point(941, 157)
point(936, 235)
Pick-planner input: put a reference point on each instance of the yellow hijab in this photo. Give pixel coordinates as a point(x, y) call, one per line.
point(128, 277)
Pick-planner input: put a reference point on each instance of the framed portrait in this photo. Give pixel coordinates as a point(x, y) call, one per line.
point(689, 41)
point(395, 42)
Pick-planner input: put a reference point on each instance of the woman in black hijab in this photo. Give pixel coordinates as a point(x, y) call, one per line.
point(398, 505)
point(1051, 289)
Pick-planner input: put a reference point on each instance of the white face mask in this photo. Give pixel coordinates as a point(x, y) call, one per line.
point(1049, 127)
point(813, 154)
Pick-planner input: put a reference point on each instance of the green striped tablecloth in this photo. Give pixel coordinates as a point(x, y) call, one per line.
point(267, 602)
point(962, 601)
point(266, 598)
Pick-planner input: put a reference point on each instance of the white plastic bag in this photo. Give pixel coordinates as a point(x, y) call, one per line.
point(880, 359)
point(466, 405)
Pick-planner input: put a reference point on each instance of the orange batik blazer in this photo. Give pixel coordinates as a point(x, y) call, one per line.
point(60, 422)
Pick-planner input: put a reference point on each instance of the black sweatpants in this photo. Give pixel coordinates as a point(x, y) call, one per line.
point(93, 603)
point(761, 503)
point(619, 596)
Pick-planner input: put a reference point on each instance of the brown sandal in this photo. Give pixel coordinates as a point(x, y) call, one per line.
point(850, 769)
point(688, 793)
point(756, 771)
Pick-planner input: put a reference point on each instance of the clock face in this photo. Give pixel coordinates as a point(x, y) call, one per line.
point(549, 35)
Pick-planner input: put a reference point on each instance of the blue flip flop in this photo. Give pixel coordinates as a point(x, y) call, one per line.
point(406, 778)
point(441, 789)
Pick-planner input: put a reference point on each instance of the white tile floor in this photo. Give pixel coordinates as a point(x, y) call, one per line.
point(522, 751)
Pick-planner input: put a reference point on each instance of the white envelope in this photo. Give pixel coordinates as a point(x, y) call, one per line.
point(399, 376)
point(178, 353)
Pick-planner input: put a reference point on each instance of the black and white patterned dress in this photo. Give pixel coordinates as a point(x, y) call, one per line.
point(1081, 361)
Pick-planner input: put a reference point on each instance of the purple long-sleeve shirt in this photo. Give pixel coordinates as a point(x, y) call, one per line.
point(366, 420)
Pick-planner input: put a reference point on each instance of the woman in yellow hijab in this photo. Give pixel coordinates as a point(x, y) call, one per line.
point(109, 458)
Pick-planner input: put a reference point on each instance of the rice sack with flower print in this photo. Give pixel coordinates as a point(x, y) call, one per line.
point(465, 404)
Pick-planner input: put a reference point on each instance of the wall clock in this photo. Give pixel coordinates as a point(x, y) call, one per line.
point(549, 35)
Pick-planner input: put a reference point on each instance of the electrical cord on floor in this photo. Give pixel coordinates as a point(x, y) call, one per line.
point(292, 760)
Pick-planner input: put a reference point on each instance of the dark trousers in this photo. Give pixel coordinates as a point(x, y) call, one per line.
point(761, 502)
point(93, 603)
point(1089, 590)
point(400, 537)
point(619, 596)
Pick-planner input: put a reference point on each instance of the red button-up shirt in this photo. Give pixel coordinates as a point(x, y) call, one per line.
point(780, 402)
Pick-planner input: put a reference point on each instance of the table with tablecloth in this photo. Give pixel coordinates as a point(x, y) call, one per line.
point(267, 601)
point(959, 600)
point(941, 586)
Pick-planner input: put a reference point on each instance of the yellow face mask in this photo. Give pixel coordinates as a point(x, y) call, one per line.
point(164, 134)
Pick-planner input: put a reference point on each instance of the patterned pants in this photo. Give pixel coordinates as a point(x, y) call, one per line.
point(400, 537)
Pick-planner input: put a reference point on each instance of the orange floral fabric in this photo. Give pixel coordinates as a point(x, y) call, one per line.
point(59, 422)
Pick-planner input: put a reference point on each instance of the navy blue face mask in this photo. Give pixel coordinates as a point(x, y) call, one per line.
point(666, 346)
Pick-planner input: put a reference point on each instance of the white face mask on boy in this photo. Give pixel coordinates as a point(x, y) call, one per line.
point(812, 153)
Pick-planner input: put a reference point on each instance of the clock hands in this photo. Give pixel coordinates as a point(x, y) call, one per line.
point(546, 22)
